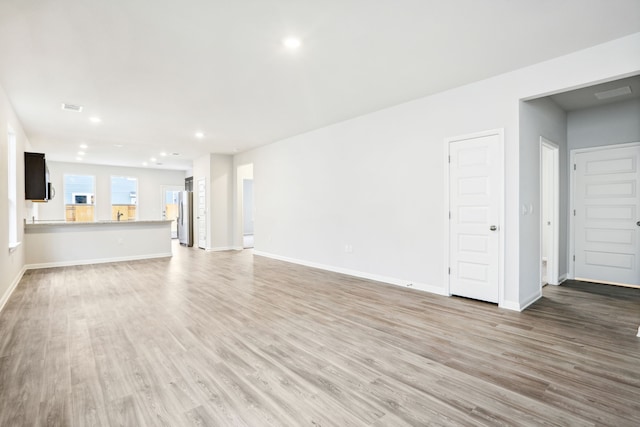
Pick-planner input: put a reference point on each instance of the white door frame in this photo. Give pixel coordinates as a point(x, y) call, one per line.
point(501, 252)
point(553, 258)
point(197, 214)
point(572, 183)
point(163, 191)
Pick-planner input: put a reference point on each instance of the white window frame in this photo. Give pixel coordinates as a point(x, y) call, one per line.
point(12, 188)
point(93, 191)
point(129, 177)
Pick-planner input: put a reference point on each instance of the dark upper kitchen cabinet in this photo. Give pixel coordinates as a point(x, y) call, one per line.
point(36, 177)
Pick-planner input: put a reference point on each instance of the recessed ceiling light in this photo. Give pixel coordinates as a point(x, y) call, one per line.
point(291, 43)
point(153, 159)
point(95, 119)
point(79, 159)
point(118, 145)
point(163, 154)
point(83, 146)
point(199, 135)
point(144, 163)
point(81, 153)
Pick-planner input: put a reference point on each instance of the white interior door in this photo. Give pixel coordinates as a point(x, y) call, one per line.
point(607, 215)
point(475, 200)
point(549, 211)
point(202, 213)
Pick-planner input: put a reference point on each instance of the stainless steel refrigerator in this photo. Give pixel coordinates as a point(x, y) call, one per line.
point(185, 218)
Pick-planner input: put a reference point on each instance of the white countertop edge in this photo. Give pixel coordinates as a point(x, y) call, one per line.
point(29, 225)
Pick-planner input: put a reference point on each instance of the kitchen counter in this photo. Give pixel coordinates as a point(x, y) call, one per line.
point(48, 224)
point(61, 243)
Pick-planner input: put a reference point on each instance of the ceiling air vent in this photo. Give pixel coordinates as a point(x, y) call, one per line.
point(613, 93)
point(71, 107)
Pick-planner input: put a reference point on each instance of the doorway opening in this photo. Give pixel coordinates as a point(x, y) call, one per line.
point(169, 208)
point(550, 212)
point(247, 214)
point(245, 232)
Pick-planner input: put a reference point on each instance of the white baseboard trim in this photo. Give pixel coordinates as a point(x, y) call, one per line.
point(12, 288)
point(516, 306)
point(383, 279)
point(562, 278)
point(221, 249)
point(96, 261)
point(510, 305)
point(533, 298)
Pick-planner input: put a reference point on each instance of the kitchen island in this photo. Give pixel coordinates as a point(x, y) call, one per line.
point(56, 244)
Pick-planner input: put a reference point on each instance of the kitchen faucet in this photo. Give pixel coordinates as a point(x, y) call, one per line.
point(119, 215)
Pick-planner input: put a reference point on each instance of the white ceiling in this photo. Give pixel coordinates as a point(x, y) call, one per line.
point(157, 71)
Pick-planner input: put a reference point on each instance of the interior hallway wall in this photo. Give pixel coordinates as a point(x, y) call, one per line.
point(540, 118)
point(616, 123)
point(247, 206)
point(217, 170)
point(242, 172)
point(12, 262)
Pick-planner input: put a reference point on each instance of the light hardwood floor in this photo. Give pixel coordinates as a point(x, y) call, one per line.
point(229, 339)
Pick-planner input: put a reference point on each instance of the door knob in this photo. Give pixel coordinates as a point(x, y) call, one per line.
point(493, 228)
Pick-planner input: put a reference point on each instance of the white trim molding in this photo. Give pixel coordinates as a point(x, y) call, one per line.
point(223, 248)
point(383, 279)
point(517, 306)
point(11, 288)
point(554, 261)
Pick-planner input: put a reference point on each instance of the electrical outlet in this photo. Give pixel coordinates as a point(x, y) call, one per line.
point(348, 249)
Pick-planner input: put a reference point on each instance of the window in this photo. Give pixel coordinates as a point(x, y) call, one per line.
point(12, 161)
point(79, 198)
point(124, 198)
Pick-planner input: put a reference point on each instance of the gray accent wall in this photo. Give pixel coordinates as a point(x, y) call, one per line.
point(610, 124)
point(540, 118)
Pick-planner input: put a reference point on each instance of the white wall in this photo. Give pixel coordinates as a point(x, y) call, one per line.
point(616, 123)
point(540, 117)
point(221, 201)
point(355, 183)
point(217, 169)
point(11, 262)
point(149, 191)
